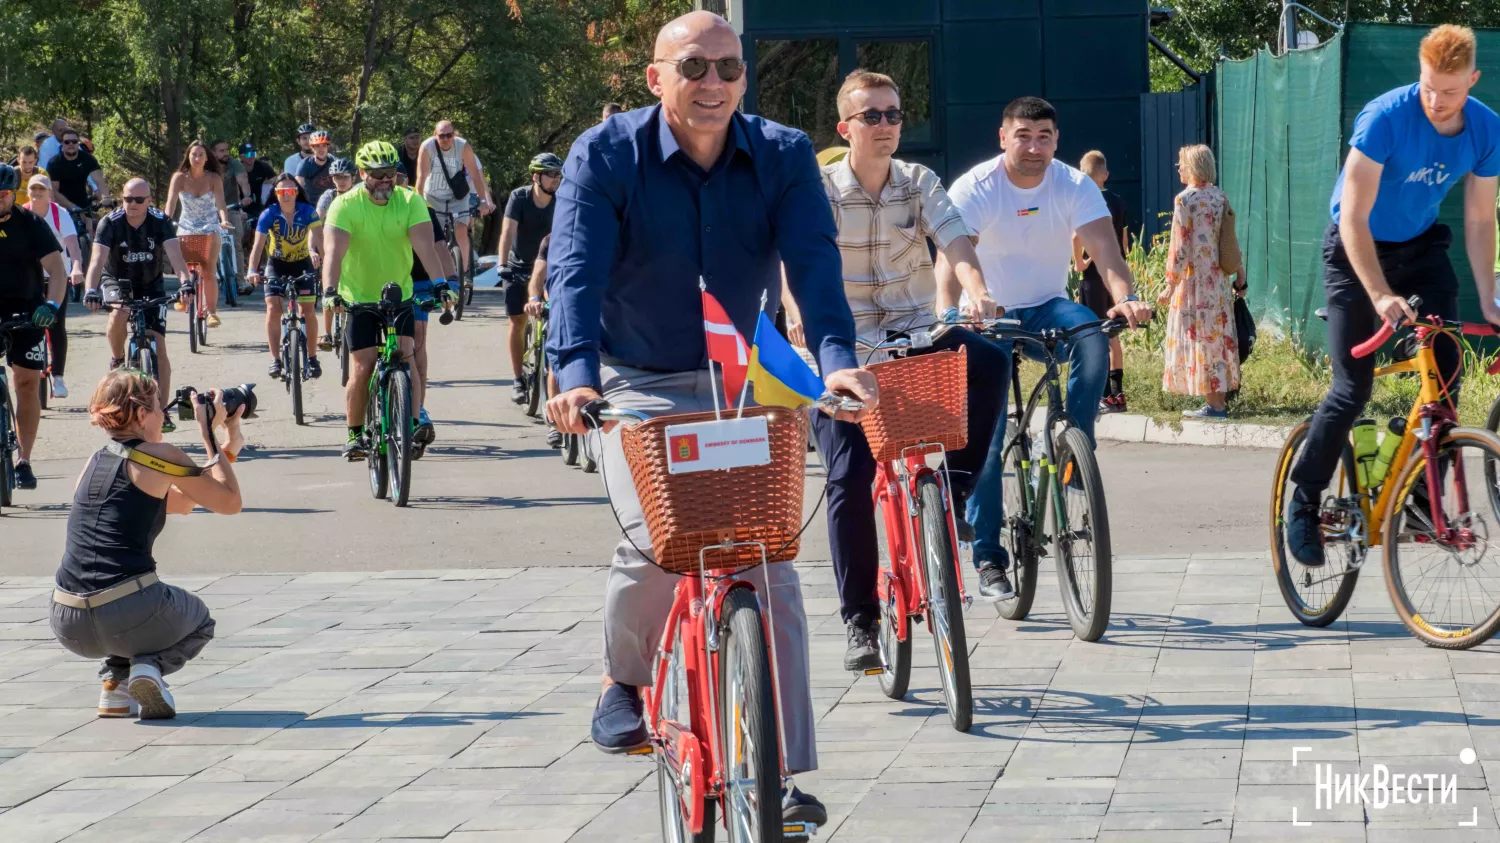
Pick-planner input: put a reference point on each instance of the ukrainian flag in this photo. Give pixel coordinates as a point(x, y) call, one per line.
point(781, 378)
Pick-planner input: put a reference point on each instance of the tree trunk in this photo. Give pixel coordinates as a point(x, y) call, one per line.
point(366, 71)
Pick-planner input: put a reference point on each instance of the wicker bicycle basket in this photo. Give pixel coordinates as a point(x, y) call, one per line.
point(924, 400)
point(687, 512)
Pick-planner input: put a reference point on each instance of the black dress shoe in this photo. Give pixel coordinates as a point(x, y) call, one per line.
point(618, 725)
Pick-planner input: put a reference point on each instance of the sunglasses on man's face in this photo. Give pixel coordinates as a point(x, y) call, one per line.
point(73, 142)
point(445, 136)
point(694, 68)
point(382, 174)
point(552, 174)
point(136, 200)
point(893, 116)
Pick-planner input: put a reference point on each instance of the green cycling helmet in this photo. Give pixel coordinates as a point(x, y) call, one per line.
point(544, 162)
point(376, 155)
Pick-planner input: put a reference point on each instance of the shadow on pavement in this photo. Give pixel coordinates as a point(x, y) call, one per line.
point(274, 719)
point(466, 502)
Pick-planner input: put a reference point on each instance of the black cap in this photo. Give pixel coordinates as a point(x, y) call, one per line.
point(247, 150)
point(411, 130)
point(306, 129)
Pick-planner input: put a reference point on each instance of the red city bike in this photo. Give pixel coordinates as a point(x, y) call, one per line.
point(923, 411)
point(197, 309)
point(713, 706)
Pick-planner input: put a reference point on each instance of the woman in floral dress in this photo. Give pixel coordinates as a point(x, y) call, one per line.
point(1202, 356)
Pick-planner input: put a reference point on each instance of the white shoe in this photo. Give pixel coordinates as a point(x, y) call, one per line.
point(115, 701)
point(59, 389)
point(150, 690)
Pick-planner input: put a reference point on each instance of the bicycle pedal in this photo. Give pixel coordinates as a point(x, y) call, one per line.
point(643, 750)
point(798, 831)
point(873, 671)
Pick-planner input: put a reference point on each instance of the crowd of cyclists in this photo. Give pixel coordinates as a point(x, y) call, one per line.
point(656, 204)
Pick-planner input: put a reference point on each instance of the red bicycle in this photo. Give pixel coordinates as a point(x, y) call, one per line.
point(197, 309)
point(923, 410)
point(712, 709)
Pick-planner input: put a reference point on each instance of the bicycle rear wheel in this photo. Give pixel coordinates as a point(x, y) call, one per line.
point(399, 448)
point(532, 368)
point(747, 715)
point(945, 608)
point(674, 706)
point(895, 654)
point(343, 345)
point(1017, 534)
point(1491, 480)
point(1446, 588)
point(458, 306)
point(570, 448)
point(590, 461)
point(44, 385)
point(7, 456)
point(296, 352)
point(1080, 537)
point(192, 314)
point(1317, 596)
point(375, 435)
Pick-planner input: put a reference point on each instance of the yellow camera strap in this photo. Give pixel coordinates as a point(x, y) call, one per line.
point(169, 468)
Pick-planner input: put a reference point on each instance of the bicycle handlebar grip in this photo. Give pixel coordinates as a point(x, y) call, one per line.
point(593, 412)
point(1369, 346)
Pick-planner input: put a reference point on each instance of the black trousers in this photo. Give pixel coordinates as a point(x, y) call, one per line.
point(59, 334)
point(1416, 267)
point(852, 536)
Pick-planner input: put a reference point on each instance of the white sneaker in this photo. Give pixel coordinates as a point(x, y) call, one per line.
point(115, 701)
point(59, 389)
point(150, 690)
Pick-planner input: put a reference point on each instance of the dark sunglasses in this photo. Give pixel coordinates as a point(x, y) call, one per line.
point(382, 174)
point(893, 116)
point(694, 68)
point(73, 142)
point(552, 174)
point(136, 200)
point(445, 135)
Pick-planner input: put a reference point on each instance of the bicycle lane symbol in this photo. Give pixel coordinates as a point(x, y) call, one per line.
point(1383, 787)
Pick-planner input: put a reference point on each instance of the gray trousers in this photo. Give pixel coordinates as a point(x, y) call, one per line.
point(161, 625)
point(639, 595)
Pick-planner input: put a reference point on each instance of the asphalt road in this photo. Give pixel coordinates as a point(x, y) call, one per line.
point(490, 493)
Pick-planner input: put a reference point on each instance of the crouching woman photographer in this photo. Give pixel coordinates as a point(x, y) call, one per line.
point(109, 602)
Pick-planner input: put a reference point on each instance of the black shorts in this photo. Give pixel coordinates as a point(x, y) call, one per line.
point(26, 350)
point(363, 330)
point(516, 284)
point(278, 272)
point(1094, 295)
point(130, 290)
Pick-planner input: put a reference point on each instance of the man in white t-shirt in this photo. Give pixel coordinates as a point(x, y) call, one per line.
point(1026, 207)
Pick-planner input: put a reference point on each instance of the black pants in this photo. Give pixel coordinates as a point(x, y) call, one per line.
point(851, 467)
point(1416, 267)
point(59, 334)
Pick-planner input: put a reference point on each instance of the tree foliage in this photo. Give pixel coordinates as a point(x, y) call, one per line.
point(1206, 29)
point(145, 77)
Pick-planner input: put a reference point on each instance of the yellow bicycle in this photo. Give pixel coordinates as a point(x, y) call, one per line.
point(1441, 570)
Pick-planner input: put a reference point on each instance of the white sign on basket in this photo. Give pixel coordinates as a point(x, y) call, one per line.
point(718, 445)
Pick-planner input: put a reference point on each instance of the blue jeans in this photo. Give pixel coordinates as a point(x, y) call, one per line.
point(1088, 358)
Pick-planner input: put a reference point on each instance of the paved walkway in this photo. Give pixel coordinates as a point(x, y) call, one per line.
point(454, 706)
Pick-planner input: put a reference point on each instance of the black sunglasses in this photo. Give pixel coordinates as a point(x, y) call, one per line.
point(445, 135)
point(382, 174)
point(136, 200)
point(552, 174)
point(694, 68)
point(73, 142)
point(893, 116)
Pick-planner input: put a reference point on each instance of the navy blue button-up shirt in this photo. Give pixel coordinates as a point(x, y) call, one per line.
point(636, 225)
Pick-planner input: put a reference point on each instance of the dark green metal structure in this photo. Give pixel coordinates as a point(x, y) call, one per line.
point(958, 63)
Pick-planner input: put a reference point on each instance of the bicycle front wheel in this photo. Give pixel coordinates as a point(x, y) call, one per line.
point(945, 608)
point(7, 456)
point(296, 351)
point(343, 345)
point(1317, 596)
point(1441, 566)
point(399, 444)
point(1080, 537)
point(533, 370)
point(751, 744)
point(192, 312)
point(1491, 480)
point(1018, 532)
point(375, 436)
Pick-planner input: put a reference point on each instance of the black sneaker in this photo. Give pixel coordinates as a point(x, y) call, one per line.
point(314, 368)
point(864, 650)
point(1304, 529)
point(25, 478)
point(799, 807)
point(518, 391)
point(554, 439)
point(274, 370)
point(355, 448)
point(993, 584)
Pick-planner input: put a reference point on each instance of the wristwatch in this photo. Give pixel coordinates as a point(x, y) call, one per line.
point(536, 298)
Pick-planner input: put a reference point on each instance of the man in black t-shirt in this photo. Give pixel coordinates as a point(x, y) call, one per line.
point(1092, 292)
point(528, 219)
point(313, 175)
point(27, 250)
point(127, 257)
point(70, 172)
point(257, 173)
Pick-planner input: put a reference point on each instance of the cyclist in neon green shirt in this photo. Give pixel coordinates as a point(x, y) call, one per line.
point(372, 233)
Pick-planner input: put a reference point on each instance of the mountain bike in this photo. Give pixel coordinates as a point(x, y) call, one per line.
point(1439, 564)
point(534, 364)
point(190, 302)
point(140, 348)
point(229, 264)
point(10, 438)
point(465, 276)
point(82, 218)
point(294, 366)
point(922, 411)
point(1054, 473)
point(712, 708)
point(389, 418)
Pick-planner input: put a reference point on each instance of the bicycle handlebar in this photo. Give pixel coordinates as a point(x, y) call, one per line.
point(15, 325)
point(1008, 329)
point(596, 413)
point(1371, 345)
point(140, 304)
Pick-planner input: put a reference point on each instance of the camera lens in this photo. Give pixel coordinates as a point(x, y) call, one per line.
point(235, 396)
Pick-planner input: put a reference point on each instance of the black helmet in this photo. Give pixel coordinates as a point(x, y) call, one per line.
point(544, 162)
point(9, 178)
point(306, 129)
point(341, 167)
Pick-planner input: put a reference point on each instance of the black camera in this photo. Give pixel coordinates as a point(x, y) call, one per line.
point(234, 397)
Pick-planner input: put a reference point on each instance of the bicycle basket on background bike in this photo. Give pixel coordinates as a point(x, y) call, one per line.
point(688, 512)
point(923, 399)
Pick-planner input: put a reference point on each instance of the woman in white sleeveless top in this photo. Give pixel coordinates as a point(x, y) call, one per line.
point(198, 188)
point(446, 159)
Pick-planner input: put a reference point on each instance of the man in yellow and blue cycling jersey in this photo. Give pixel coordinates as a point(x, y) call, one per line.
point(291, 229)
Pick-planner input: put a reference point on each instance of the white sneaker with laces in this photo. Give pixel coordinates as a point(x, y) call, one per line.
point(59, 389)
point(115, 701)
point(150, 690)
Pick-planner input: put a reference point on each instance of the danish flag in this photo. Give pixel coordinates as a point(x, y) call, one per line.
point(725, 347)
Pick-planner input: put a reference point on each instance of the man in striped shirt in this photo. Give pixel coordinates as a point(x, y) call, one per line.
point(886, 211)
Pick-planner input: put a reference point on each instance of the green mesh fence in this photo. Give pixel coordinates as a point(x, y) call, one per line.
point(1282, 124)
